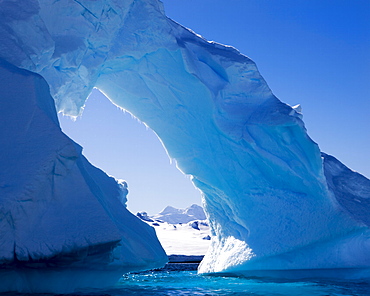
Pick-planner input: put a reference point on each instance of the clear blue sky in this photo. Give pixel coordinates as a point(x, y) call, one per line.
point(313, 53)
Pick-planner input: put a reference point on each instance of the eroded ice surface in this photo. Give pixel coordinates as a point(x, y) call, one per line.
point(271, 202)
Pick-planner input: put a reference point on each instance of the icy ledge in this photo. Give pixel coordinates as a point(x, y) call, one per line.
point(273, 202)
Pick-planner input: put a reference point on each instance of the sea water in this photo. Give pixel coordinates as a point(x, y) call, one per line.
point(182, 279)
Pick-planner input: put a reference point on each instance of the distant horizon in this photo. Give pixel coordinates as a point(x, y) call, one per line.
point(313, 54)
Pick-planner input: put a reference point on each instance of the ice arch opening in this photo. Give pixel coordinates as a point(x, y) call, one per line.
point(125, 148)
point(274, 201)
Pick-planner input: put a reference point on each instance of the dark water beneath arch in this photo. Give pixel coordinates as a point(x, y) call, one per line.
point(182, 279)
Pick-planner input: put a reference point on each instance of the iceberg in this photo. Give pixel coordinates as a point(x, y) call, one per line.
point(64, 223)
point(275, 204)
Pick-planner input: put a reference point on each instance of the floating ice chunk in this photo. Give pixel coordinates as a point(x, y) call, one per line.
point(144, 216)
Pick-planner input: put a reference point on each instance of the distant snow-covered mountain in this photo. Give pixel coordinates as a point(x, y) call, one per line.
point(175, 216)
point(181, 231)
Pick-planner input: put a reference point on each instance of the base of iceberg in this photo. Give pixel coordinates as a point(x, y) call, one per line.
point(302, 274)
point(344, 257)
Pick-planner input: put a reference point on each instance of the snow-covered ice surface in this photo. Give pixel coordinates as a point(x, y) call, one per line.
point(183, 239)
point(273, 201)
point(181, 231)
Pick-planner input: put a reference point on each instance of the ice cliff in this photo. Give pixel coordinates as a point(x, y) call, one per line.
point(273, 201)
point(63, 223)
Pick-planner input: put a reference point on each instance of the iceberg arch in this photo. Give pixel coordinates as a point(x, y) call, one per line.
point(276, 205)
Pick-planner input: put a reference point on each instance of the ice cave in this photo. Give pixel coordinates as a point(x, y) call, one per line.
point(277, 205)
